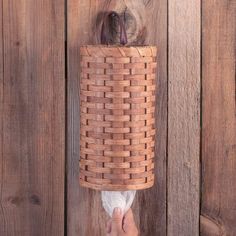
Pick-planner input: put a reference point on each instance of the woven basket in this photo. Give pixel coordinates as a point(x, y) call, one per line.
point(117, 106)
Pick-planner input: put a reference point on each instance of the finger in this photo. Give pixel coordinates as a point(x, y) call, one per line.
point(129, 217)
point(130, 229)
point(116, 220)
point(129, 223)
point(108, 226)
point(126, 227)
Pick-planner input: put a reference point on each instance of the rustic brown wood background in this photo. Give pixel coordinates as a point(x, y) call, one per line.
point(195, 187)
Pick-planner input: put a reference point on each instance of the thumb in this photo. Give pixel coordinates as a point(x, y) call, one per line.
point(116, 220)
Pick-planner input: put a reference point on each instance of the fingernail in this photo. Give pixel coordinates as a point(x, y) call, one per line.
point(117, 210)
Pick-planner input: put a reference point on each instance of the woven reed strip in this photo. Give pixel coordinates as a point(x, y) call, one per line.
point(117, 107)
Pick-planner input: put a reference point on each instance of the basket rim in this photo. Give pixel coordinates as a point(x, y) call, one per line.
point(117, 46)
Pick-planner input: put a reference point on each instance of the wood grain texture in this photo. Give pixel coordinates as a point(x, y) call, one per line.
point(85, 215)
point(1, 108)
point(32, 119)
point(183, 117)
point(219, 118)
point(152, 203)
point(146, 22)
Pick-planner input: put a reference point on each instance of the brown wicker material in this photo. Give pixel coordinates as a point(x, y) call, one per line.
point(117, 106)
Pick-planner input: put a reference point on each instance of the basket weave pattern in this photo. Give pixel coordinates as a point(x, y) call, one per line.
point(117, 106)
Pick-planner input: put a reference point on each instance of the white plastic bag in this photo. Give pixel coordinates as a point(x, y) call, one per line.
point(121, 199)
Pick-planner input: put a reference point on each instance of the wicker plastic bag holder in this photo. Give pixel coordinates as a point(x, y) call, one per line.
point(117, 106)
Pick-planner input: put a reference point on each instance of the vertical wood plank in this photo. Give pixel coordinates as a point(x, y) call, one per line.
point(146, 22)
point(1, 109)
point(183, 117)
point(32, 118)
point(84, 211)
point(219, 118)
point(152, 202)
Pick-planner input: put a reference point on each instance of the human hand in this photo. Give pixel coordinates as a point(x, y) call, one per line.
point(120, 225)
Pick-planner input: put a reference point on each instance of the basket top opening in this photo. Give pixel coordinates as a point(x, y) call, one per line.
point(118, 45)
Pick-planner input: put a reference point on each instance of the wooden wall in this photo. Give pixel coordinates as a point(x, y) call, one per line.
point(218, 214)
point(32, 118)
point(194, 191)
